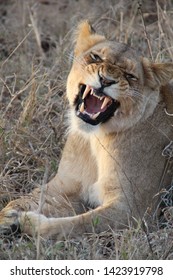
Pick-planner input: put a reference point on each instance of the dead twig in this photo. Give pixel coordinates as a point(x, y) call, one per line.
point(41, 202)
point(145, 30)
point(26, 36)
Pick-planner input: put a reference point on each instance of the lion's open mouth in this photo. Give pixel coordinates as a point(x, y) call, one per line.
point(93, 106)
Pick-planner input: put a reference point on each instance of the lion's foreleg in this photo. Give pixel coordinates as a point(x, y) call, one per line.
point(108, 216)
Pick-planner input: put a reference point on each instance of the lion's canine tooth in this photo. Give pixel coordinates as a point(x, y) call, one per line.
point(87, 90)
point(105, 102)
point(92, 92)
point(82, 108)
point(95, 115)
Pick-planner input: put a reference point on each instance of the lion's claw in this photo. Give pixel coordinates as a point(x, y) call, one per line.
point(9, 222)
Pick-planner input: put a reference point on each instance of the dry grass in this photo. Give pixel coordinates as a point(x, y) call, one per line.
point(35, 56)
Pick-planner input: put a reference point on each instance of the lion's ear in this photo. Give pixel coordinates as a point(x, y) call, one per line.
point(157, 74)
point(86, 37)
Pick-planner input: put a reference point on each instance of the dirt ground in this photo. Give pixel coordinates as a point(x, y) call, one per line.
point(36, 50)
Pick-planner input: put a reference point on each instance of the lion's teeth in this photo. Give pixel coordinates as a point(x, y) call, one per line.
point(101, 97)
point(82, 107)
point(87, 90)
point(105, 102)
point(96, 115)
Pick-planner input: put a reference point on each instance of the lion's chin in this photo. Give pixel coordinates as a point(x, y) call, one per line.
point(94, 107)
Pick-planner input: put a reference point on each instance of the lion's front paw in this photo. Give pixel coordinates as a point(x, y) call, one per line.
point(13, 221)
point(9, 221)
point(32, 223)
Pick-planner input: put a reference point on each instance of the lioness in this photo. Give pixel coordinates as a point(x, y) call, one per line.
point(112, 165)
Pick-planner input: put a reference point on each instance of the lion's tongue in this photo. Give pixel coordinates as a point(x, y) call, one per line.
point(93, 104)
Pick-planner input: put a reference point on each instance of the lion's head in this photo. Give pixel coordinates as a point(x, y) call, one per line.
point(110, 85)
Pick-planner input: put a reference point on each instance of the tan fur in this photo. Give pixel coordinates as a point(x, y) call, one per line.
point(109, 173)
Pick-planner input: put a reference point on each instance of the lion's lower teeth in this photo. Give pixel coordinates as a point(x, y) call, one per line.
point(82, 107)
point(95, 115)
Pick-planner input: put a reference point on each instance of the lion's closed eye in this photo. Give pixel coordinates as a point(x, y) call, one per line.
point(130, 76)
point(95, 57)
